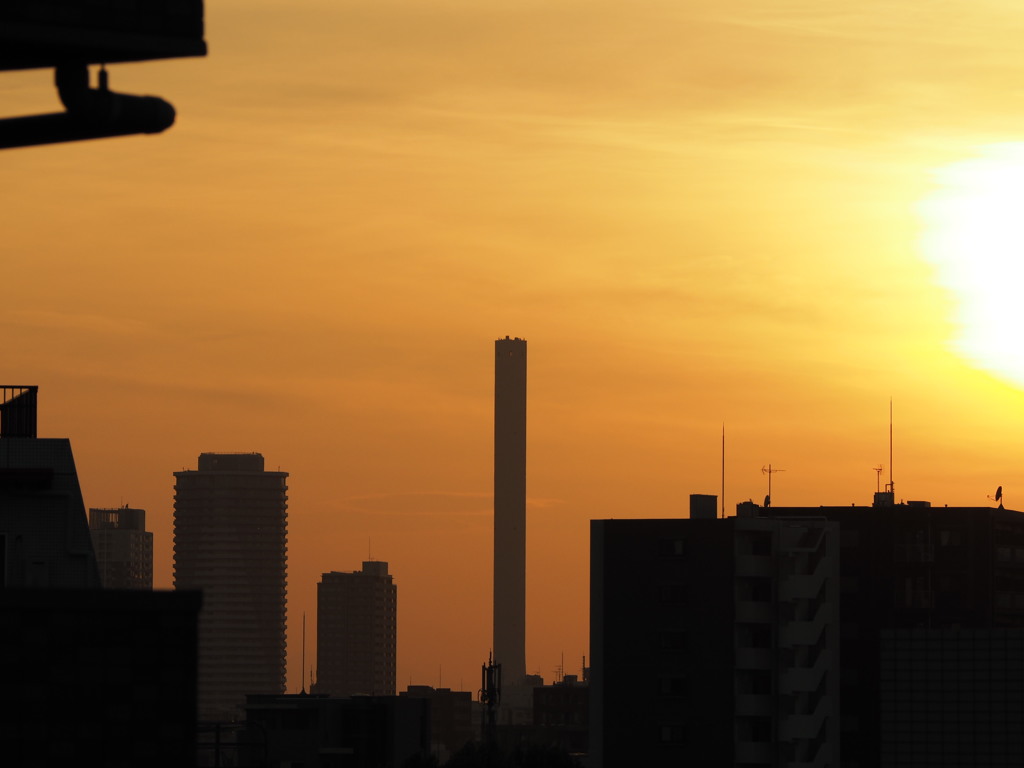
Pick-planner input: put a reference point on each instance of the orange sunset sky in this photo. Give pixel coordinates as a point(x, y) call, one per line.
point(770, 215)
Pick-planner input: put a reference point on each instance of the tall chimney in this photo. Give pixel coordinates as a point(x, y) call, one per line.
point(510, 509)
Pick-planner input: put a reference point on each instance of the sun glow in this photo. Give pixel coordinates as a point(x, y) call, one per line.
point(974, 235)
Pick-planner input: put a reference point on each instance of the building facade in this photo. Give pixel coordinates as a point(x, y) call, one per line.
point(230, 541)
point(124, 548)
point(319, 731)
point(451, 719)
point(561, 715)
point(714, 642)
point(98, 677)
point(931, 616)
point(357, 632)
point(44, 533)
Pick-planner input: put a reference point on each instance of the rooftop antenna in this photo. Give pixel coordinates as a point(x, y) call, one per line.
point(891, 488)
point(302, 674)
point(490, 696)
point(878, 478)
point(769, 471)
point(723, 469)
point(998, 497)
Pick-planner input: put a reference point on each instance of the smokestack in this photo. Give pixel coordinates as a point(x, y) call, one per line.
point(510, 509)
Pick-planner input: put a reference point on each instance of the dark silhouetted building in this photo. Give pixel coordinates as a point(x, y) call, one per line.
point(124, 548)
point(230, 541)
point(510, 520)
point(44, 535)
point(319, 731)
point(951, 697)
point(451, 718)
point(357, 632)
point(98, 677)
point(931, 618)
point(714, 642)
point(561, 715)
point(90, 676)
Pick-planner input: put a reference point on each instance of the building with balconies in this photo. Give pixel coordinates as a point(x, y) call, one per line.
point(932, 631)
point(230, 541)
point(714, 642)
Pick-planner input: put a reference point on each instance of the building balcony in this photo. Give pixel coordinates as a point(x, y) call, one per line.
point(754, 565)
point(803, 587)
point(755, 658)
point(749, 704)
point(751, 611)
point(805, 727)
point(801, 632)
point(795, 680)
point(796, 538)
point(754, 752)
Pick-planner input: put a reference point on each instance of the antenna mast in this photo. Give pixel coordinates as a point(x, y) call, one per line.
point(891, 488)
point(723, 469)
point(769, 471)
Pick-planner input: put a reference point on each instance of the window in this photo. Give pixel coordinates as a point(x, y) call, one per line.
point(672, 594)
point(755, 682)
point(950, 538)
point(672, 734)
point(753, 588)
point(672, 547)
point(757, 729)
point(674, 686)
point(761, 543)
point(754, 635)
point(674, 640)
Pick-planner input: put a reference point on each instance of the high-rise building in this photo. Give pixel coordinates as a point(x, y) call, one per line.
point(230, 541)
point(356, 636)
point(124, 548)
point(744, 641)
point(44, 534)
point(932, 631)
point(510, 511)
point(714, 642)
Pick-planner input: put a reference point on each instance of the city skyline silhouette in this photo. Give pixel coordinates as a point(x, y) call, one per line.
point(698, 217)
